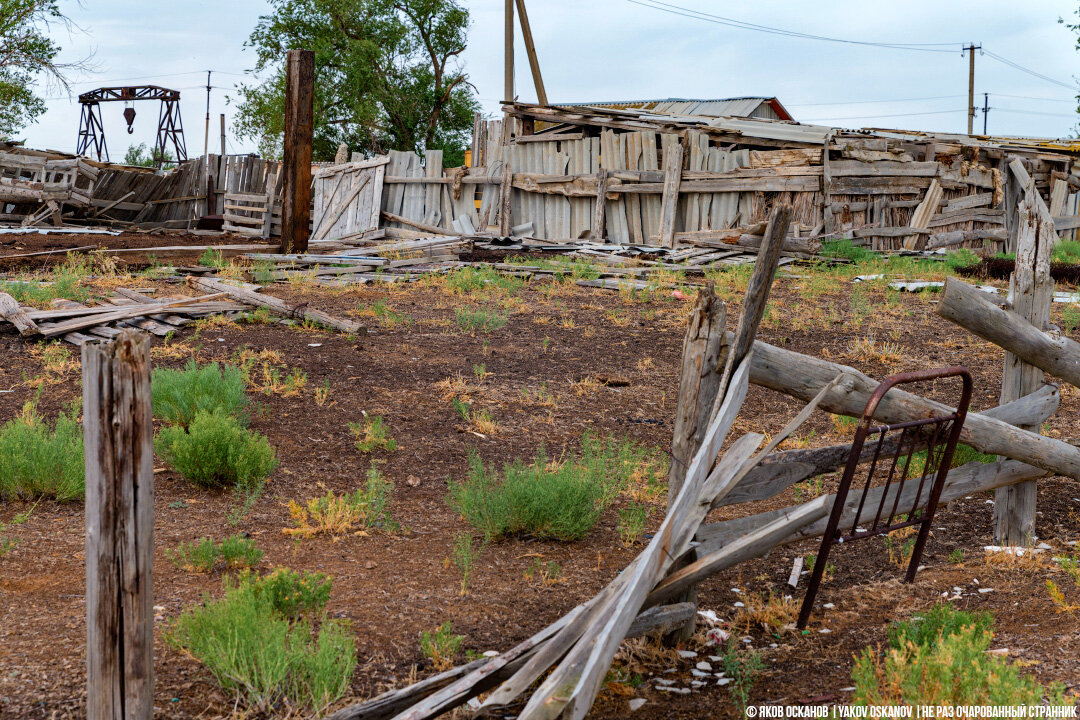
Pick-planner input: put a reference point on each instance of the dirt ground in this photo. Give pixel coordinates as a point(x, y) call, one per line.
point(569, 360)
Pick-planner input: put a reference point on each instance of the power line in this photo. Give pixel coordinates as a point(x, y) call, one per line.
point(871, 117)
point(743, 25)
point(1029, 71)
point(1032, 97)
point(865, 102)
point(1036, 112)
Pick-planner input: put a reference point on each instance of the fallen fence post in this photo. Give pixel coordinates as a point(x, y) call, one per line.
point(118, 436)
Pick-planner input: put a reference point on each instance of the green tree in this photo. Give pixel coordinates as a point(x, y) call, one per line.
point(27, 54)
point(140, 155)
point(388, 76)
point(1075, 27)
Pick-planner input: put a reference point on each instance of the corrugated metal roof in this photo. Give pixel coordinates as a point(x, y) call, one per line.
point(719, 107)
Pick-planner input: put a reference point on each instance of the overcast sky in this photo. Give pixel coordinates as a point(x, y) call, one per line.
point(594, 50)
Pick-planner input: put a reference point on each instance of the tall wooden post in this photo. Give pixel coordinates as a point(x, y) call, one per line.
point(296, 168)
point(1031, 290)
point(118, 434)
point(508, 52)
point(530, 48)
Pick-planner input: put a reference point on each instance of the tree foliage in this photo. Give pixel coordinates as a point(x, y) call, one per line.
point(141, 156)
point(1075, 28)
point(388, 75)
point(26, 52)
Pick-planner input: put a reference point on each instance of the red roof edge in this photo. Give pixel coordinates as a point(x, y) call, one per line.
point(779, 109)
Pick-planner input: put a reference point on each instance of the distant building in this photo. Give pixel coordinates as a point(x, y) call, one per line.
point(768, 108)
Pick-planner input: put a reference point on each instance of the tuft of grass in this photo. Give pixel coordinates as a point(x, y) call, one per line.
point(956, 557)
point(1066, 251)
point(479, 319)
point(940, 658)
point(631, 525)
point(179, 395)
point(215, 450)
point(441, 646)
point(259, 640)
point(372, 434)
point(39, 459)
point(848, 250)
point(961, 258)
point(770, 612)
point(366, 508)
point(466, 553)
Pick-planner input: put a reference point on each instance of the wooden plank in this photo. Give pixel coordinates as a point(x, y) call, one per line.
point(920, 219)
point(82, 323)
point(119, 458)
point(296, 167)
point(279, 306)
point(673, 156)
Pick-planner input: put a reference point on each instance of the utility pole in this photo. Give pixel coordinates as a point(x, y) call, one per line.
point(508, 52)
point(970, 49)
point(206, 136)
point(986, 109)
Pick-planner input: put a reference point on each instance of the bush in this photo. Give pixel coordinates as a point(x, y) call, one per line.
point(372, 434)
point(535, 500)
point(201, 556)
point(196, 556)
point(179, 395)
point(441, 646)
point(216, 451)
point(239, 552)
point(39, 460)
point(941, 658)
point(367, 507)
point(256, 644)
point(549, 499)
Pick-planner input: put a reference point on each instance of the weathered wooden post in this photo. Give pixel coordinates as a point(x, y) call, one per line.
point(1030, 290)
point(296, 164)
point(699, 380)
point(118, 434)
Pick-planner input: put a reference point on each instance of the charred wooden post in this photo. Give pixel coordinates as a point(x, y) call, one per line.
point(118, 435)
point(296, 165)
point(1030, 289)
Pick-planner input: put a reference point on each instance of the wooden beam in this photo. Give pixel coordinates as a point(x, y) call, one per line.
point(296, 165)
point(279, 306)
point(599, 207)
point(17, 315)
point(118, 435)
point(530, 48)
point(669, 205)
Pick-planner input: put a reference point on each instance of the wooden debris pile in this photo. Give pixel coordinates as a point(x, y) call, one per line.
point(558, 672)
point(77, 323)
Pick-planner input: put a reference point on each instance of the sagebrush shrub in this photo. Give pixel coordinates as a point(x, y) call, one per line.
point(366, 507)
point(179, 395)
point(215, 450)
point(42, 460)
point(549, 499)
point(536, 500)
point(941, 658)
point(238, 551)
point(256, 643)
point(196, 556)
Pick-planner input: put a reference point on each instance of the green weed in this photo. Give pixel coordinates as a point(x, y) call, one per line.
point(631, 525)
point(441, 646)
point(198, 556)
point(482, 320)
point(466, 553)
point(372, 434)
point(742, 668)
